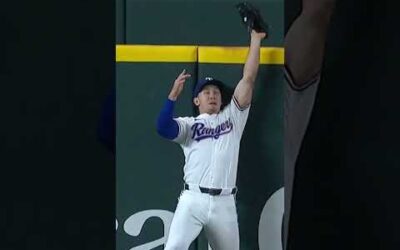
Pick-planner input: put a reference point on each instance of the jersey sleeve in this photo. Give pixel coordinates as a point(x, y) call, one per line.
point(184, 125)
point(238, 114)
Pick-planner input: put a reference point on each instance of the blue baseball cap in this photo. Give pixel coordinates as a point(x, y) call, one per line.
point(204, 82)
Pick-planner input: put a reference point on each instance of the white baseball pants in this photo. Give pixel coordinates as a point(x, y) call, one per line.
point(195, 211)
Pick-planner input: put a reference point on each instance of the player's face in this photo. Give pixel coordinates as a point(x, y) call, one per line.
point(209, 100)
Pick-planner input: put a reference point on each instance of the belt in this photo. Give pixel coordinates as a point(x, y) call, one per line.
point(211, 191)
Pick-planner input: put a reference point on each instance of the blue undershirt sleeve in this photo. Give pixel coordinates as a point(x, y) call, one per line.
point(167, 127)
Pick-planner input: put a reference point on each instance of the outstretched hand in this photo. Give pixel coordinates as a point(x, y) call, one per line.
point(178, 85)
point(258, 35)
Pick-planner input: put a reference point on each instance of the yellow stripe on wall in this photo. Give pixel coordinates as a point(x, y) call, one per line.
point(201, 54)
point(237, 55)
point(156, 53)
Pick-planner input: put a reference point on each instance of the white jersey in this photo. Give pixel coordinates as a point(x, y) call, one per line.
point(211, 146)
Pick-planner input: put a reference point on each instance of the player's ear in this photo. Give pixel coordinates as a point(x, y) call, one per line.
point(196, 101)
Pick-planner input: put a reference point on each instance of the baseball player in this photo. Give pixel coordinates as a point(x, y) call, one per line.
point(304, 50)
point(210, 143)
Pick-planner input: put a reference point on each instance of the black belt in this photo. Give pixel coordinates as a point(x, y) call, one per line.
point(211, 191)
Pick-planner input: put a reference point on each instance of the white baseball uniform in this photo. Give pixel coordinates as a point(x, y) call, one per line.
point(298, 106)
point(211, 147)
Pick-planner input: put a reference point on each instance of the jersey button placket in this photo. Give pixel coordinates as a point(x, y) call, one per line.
point(212, 167)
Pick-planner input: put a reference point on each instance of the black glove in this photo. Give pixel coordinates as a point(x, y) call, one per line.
point(251, 18)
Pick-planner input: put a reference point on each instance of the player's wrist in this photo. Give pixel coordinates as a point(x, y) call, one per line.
point(256, 39)
point(172, 98)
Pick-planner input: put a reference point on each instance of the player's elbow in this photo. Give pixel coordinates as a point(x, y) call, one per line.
point(160, 130)
point(167, 130)
point(242, 101)
point(167, 134)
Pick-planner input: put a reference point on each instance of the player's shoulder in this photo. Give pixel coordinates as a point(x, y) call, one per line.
point(186, 119)
point(234, 107)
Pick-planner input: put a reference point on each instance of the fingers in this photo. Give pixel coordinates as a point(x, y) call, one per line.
point(259, 35)
point(183, 76)
point(254, 32)
point(186, 76)
point(180, 80)
point(178, 85)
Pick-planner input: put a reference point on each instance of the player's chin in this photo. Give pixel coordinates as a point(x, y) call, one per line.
point(214, 108)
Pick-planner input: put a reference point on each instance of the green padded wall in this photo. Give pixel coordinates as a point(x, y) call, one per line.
point(201, 22)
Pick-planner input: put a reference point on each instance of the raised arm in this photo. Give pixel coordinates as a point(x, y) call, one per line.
point(244, 89)
point(167, 127)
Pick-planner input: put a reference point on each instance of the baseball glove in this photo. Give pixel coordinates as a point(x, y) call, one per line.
point(252, 18)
